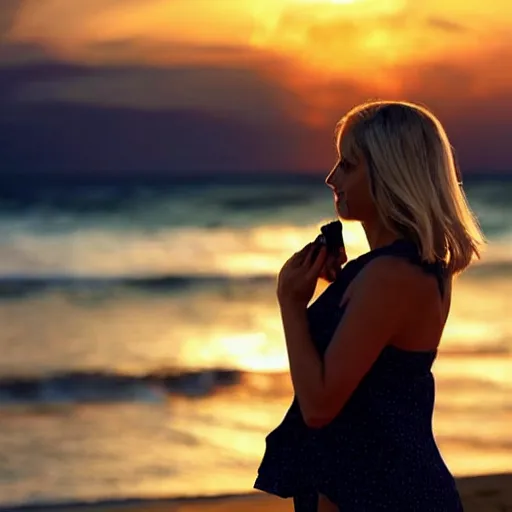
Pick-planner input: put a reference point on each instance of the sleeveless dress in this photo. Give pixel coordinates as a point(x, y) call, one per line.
point(379, 452)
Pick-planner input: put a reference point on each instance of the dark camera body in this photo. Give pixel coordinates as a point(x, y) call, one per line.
point(331, 236)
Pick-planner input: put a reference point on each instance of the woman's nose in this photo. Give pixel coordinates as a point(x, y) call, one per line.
point(334, 179)
point(329, 181)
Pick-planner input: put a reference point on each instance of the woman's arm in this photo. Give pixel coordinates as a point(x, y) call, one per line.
point(385, 294)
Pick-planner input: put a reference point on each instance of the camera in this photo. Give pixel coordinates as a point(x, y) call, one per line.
point(331, 236)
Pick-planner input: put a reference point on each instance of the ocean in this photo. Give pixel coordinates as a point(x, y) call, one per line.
point(142, 351)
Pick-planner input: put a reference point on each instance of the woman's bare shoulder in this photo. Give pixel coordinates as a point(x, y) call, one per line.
point(401, 276)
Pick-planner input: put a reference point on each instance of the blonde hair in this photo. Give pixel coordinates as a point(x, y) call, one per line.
point(414, 178)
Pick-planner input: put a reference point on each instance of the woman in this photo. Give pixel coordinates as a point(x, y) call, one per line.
point(358, 435)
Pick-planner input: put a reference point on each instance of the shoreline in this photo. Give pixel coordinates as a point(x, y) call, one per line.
point(480, 493)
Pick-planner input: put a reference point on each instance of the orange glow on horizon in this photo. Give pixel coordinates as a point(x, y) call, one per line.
point(326, 53)
point(333, 35)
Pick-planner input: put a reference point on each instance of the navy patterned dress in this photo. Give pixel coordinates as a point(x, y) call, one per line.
point(379, 453)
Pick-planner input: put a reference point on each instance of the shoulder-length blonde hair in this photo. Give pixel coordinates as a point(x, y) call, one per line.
point(414, 179)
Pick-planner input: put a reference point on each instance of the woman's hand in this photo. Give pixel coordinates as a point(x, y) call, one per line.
point(297, 279)
point(332, 265)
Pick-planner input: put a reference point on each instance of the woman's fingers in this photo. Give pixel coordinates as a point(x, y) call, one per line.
point(316, 265)
point(301, 257)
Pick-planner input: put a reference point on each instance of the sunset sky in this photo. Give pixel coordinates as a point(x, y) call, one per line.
point(196, 85)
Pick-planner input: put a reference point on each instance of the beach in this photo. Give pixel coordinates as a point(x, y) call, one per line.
point(162, 161)
point(485, 493)
point(143, 354)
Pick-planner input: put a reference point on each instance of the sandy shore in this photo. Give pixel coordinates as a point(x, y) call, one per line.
point(489, 493)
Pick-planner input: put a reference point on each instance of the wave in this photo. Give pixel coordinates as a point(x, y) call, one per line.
point(134, 503)
point(225, 196)
point(126, 251)
point(485, 269)
point(108, 387)
point(241, 227)
point(468, 442)
point(23, 287)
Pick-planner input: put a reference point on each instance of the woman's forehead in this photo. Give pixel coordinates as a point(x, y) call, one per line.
point(346, 143)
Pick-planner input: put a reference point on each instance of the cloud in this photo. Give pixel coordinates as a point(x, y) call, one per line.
point(9, 9)
point(445, 25)
point(86, 21)
point(474, 103)
point(57, 117)
point(66, 134)
point(254, 109)
point(163, 53)
point(15, 77)
point(72, 138)
point(237, 93)
point(21, 54)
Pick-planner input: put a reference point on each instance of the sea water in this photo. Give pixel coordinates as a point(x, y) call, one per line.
point(142, 349)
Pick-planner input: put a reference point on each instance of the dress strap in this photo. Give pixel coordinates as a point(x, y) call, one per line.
point(404, 249)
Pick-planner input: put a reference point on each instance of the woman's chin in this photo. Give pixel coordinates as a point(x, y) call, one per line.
point(342, 211)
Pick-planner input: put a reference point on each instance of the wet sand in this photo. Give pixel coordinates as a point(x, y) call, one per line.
point(487, 493)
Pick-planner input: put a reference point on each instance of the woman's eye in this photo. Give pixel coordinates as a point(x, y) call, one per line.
point(344, 165)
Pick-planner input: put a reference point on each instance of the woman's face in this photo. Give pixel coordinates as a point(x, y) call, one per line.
point(350, 184)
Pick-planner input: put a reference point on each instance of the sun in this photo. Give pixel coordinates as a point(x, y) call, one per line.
point(352, 4)
point(331, 2)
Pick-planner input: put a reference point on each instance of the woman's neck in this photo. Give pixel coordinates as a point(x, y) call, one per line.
point(378, 235)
